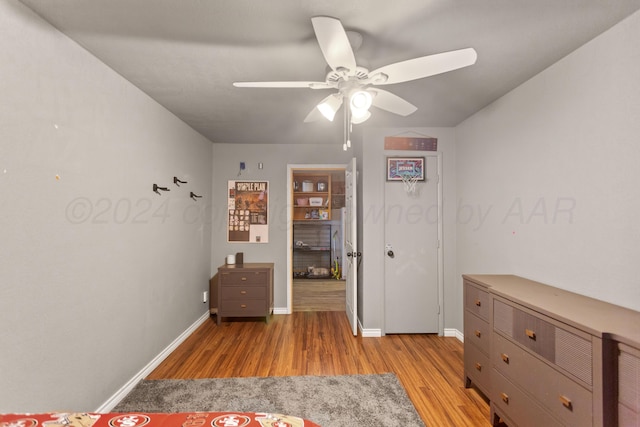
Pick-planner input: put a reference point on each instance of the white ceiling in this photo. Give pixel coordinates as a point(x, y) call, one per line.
point(186, 53)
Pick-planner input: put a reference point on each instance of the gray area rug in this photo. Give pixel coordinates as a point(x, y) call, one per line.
point(329, 401)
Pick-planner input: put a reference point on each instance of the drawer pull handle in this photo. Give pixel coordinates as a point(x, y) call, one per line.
point(243, 305)
point(243, 292)
point(478, 333)
point(478, 302)
point(505, 358)
point(566, 402)
point(504, 397)
point(243, 279)
point(531, 334)
point(478, 367)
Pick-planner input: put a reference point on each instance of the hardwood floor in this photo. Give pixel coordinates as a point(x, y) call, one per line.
point(320, 343)
point(318, 295)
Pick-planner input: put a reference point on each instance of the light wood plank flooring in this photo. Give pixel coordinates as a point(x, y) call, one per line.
point(320, 343)
point(318, 295)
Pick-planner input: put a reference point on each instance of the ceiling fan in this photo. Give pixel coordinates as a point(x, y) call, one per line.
point(357, 84)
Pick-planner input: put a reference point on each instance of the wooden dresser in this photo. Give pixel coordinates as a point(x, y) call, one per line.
point(477, 336)
point(555, 358)
point(245, 290)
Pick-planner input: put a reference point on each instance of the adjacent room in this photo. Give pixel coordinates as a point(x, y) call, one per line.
point(321, 197)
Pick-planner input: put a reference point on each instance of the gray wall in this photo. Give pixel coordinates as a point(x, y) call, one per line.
point(97, 274)
point(275, 158)
point(550, 175)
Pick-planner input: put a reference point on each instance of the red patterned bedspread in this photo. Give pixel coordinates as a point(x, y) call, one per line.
point(184, 419)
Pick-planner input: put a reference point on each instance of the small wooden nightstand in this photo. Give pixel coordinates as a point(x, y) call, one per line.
point(245, 290)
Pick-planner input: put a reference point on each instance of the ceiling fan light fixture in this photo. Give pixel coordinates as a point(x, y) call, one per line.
point(329, 106)
point(359, 102)
point(363, 118)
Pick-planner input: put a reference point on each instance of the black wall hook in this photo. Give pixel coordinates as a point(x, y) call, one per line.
point(156, 188)
point(194, 196)
point(177, 182)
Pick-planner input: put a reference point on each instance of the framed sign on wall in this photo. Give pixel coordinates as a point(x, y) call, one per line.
point(403, 167)
point(248, 209)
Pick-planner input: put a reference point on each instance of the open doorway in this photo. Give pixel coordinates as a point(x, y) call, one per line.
point(316, 234)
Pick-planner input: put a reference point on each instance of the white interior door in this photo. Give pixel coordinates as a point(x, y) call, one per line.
point(411, 254)
point(351, 246)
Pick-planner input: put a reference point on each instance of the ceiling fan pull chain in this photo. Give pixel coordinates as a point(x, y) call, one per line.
point(346, 143)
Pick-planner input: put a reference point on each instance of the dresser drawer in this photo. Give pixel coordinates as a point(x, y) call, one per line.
point(562, 346)
point(247, 277)
point(629, 378)
point(477, 367)
point(566, 399)
point(529, 330)
point(509, 399)
point(476, 331)
point(244, 308)
point(240, 292)
point(476, 300)
point(627, 418)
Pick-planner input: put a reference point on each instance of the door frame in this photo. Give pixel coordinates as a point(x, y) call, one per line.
point(440, 248)
point(290, 169)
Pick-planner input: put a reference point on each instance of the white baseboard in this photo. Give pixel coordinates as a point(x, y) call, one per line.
point(125, 389)
point(369, 333)
point(454, 333)
point(281, 310)
point(373, 333)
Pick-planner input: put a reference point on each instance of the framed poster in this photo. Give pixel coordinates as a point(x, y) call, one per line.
point(248, 209)
point(399, 167)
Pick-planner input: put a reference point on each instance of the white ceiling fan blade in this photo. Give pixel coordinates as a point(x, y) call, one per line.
point(307, 85)
point(392, 103)
point(334, 43)
point(424, 66)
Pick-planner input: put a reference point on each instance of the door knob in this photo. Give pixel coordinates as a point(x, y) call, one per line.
point(390, 254)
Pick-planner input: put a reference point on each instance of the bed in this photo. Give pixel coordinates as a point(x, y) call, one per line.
point(184, 419)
